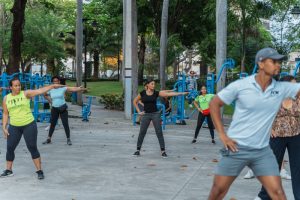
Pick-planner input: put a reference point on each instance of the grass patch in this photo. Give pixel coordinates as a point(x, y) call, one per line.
point(100, 88)
point(104, 87)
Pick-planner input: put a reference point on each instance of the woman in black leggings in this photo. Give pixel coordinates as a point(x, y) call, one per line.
point(202, 104)
point(16, 106)
point(56, 98)
point(151, 113)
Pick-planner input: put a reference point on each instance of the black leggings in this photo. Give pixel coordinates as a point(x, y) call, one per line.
point(55, 113)
point(30, 136)
point(279, 146)
point(200, 121)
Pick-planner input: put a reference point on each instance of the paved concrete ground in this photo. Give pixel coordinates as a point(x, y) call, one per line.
point(99, 165)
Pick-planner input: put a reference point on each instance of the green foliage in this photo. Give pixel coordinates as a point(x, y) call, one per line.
point(170, 84)
point(113, 101)
point(106, 37)
point(41, 36)
point(5, 27)
point(252, 44)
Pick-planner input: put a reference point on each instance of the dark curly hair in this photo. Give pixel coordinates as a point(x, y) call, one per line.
point(55, 77)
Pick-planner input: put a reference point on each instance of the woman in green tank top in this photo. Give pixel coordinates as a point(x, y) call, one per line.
point(202, 104)
point(16, 108)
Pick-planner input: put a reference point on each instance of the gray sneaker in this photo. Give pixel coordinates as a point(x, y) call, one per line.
point(7, 173)
point(69, 141)
point(40, 174)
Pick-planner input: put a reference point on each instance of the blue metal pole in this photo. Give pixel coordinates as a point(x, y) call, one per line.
point(296, 69)
point(4, 82)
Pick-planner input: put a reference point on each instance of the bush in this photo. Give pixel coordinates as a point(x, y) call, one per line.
point(112, 101)
point(170, 84)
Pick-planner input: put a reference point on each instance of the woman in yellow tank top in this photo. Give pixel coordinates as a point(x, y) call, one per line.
point(16, 107)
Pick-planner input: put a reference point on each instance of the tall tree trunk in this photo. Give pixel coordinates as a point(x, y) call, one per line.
point(122, 79)
point(2, 20)
point(163, 44)
point(243, 56)
point(79, 43)
point(189, 65)
point(175, 69)
point(25, 65)
point(27, 68)
point(203, 68)
point(135, 83)
point(41, 68)
point(141, 55)
point(221, 40)
point(96, 64)
point(50, 66)
point(18, 11)
point(119, 58)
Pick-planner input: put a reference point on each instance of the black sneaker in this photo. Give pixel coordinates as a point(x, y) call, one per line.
point(137, 153)
point(40, 174)
point(164, 155)
point(7, 173)
point(194, 141)
point(213, 141)
point(69, 141)
point(48, 141)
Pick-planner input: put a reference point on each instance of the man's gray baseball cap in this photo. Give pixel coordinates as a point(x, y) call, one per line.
point(268, 53)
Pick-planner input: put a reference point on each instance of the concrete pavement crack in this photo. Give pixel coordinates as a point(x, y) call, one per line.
point(187, 182)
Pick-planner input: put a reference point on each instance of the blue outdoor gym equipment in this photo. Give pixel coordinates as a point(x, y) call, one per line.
point(178, 101)
point(177, 114)
point(29, 81)
point(297, 68)
point(254, 69)
point(86, 109)
point(229, 63)
point(243, 75)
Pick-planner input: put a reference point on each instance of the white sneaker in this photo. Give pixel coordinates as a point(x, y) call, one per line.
point(249, 174)
point(257, 198)
point(285, 175)
point(47, 128)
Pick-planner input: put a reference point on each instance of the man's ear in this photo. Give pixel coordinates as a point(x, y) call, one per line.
point(260, 65)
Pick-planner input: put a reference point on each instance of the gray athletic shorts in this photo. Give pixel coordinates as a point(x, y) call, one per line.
point(261, 161)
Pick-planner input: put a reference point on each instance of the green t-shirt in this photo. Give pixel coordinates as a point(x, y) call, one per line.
point(203, 101)
point(19, 109)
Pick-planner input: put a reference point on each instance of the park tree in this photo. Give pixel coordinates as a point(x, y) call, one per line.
point(18, 11)
point(41, 40)
point(284, 27)
point(4, 21)
point(248, 14)
point(163, 44)
point(106, 36)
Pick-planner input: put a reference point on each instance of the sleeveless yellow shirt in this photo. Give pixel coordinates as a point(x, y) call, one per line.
point(19, 109)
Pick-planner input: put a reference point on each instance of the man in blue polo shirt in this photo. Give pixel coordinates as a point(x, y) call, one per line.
point(257, 100)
